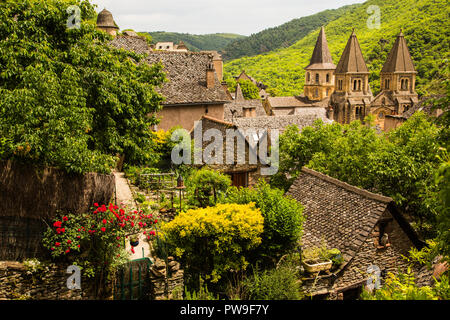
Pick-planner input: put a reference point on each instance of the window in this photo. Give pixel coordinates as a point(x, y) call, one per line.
point(386, 84)
point(359, 85)
point(317, 78)
point(316, 93)
point(308, 77)
point(327, 92)
point(355, 84)
point(239, 179)
point(340, 82)
point(383, 101)
point(328, 77)
point(381, 115)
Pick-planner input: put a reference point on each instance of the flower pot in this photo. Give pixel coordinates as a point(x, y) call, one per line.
point(134, 243)
point(313, 266)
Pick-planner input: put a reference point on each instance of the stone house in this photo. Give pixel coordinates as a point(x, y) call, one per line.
point(242, 173)
point(194, 87)
point(282, 106)
point(170, 46)
point(243, 108)
point(366, 227)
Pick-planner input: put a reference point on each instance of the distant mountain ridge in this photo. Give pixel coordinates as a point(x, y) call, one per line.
point(195, 42)
point(424, 24)
point(282, 36)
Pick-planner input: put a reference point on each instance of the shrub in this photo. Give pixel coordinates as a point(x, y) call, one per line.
point(206, 186)
point(274, 284)
point(283, 217)
point(214, 240)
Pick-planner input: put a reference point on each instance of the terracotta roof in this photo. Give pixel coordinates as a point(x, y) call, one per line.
point(321, 57)
point(186, 72)
point(341, 214)
point(352, 60)
point(399, 58)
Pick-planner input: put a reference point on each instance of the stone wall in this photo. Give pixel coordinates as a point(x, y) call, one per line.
point(18, 282)
point(167, 283)
point(30, 196)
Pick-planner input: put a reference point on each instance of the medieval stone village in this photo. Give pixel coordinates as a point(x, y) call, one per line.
point(95, 208)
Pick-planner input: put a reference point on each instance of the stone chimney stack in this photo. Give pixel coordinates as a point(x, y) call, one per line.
point(106, 23)
point(210, 76)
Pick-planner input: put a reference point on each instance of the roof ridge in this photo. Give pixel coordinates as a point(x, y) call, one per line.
point(348, 187)
point(217, 120)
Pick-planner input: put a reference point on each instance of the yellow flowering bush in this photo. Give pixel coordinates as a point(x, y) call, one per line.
point(214, 240)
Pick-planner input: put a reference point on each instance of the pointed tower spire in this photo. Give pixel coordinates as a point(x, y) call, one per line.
point(399, 58)
point(352, 60)
point(321, 58)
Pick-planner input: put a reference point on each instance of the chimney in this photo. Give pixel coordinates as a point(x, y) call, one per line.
point(210, 76)
point(218, 65)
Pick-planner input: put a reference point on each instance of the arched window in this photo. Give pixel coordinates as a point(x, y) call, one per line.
point(308, 77)
point(386, 84)
point(381, 115)
point(328, 77)
point(359, 85)
point(383, 101)
point(406, 84)
point(316, 93)
point(317, 78)
point(355, 84)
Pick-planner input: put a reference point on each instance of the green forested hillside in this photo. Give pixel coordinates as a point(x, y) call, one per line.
point(215, 41)
point(282, 36)
point(425, 24)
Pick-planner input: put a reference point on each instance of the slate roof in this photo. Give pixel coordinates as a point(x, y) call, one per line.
point(352, 60)
point(282, 122)
point(342, 214)
point(235, 109)
point(399, 58)
point(321, 57)
point(295, 102)
point(186, 72)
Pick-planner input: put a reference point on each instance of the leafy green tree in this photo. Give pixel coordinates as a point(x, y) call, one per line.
point(249, 89)
point(67, 99)
point(283, 218)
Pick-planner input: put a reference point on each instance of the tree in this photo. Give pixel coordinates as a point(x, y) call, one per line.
point(67, 99)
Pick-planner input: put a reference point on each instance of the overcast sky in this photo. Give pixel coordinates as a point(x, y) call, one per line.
point(211, 16)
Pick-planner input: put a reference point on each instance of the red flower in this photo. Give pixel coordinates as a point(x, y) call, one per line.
point(118, 238)
point(96, 204)
point(52, 249)
point(57, 244)
point(63, 230)
point(132, 249)
point(103, 229)
point(57, 224)
point(58, 230)
point(65, 218)
point(78, 245)
point(132, 223)
point(78, 237)
point(69, 241)
point(104, 221)
point(68, 250)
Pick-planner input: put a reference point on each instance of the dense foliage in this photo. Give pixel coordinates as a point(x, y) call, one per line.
point(283, 218)
point(215, 240)
point(402, 286)
point(194, 42)
point(67, 99)
point(205, 187)
point(423, 23)
point(401, 164)
point(249, 89)
point(282, 36)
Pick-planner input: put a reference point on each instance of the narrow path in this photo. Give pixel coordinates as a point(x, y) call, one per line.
point(124, 198)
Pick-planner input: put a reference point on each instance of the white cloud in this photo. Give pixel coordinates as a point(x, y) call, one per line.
point(211, 16)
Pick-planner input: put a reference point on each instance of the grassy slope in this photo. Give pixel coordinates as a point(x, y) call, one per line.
point(281, 36)
point(216, 41)
point(424, 23)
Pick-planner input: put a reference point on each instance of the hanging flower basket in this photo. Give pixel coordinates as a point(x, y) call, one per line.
point(312, 266)
point(134, 241)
